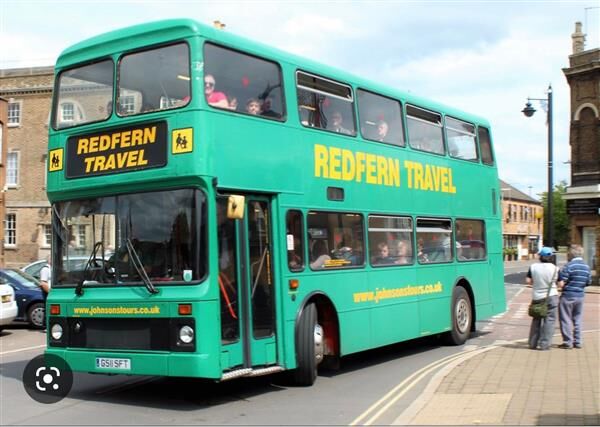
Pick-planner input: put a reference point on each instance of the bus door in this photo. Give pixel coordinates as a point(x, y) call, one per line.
point(247, 288)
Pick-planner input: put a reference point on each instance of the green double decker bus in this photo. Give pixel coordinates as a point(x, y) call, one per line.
point(242, 211)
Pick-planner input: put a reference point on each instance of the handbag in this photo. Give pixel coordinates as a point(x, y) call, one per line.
point(538, 309)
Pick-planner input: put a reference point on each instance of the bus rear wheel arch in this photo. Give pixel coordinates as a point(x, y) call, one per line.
point(462, 315)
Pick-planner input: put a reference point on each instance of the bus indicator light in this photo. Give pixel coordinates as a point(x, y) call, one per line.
point(55, 309)
point(294, 284)
point(185, 309)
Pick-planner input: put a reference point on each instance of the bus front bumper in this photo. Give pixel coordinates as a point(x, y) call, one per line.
point(132, 363)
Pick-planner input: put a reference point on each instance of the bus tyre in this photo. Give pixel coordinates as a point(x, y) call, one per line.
point(309, 346)
point(36, 315)
point(462, 317)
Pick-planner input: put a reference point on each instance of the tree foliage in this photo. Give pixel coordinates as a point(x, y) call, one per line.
point(559, 211)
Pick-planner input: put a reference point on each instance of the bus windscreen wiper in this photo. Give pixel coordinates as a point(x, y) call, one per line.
point(88, 264)
point(139, 267)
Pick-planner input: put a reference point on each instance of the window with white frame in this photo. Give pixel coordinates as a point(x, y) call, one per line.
point(12, 169)
point(14, 113)
point(10, 230)
point(67, 112)
point(47, 235)
point(127, 104)
point(81, 236)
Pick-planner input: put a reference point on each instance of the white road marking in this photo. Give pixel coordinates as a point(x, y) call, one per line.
point(22, 349)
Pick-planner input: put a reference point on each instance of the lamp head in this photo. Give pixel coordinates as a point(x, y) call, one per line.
point(528, 110)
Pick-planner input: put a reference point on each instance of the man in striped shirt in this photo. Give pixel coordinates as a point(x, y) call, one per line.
point(573, 278)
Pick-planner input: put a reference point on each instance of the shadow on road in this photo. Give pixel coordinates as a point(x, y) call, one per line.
point(186, 394)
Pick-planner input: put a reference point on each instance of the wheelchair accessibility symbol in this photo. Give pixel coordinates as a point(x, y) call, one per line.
point(47, 378)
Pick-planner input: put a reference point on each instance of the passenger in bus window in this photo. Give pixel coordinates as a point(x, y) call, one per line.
point(403, 255)
point(266, 109)
point(421, 255)
point(213, 97)
point(253, 106)
point(319, 255)
point(233, 103)
point(383, 256)
point(336, 124)
point(382, 130)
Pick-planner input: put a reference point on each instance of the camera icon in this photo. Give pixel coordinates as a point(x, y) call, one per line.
point(47, 378)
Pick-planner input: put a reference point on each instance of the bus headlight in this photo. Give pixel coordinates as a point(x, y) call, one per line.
point(56, 331)
point(186, 334)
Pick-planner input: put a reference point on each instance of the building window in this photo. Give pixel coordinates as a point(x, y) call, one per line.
point(81, 236)
point(1, 136)
point(14, 113)
point(127, 104)
point(10, 230)
point(12, 169)
point(47, 235)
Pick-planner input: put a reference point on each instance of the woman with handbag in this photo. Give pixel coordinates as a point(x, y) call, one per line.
point(544, 300)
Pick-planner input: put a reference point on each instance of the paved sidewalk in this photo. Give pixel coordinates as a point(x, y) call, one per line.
point(512, 385)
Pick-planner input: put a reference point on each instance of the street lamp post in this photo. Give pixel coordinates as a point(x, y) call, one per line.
point(528, 111)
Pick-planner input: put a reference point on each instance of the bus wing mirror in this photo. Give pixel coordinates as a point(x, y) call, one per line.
point(235, 207)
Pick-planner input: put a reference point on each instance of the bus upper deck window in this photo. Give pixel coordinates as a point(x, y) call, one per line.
point(165, 88)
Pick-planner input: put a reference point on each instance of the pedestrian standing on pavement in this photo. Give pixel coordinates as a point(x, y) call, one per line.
point(543, 275)
point(572, 280)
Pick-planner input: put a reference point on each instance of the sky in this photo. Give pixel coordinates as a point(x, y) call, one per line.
point(484, 57)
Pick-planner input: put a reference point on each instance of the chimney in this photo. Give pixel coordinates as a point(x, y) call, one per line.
point(578, 39)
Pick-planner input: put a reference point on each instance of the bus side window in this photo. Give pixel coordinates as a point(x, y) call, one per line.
point(425, 130)
point(485, 146)
point(294, 241)
point(234, 80)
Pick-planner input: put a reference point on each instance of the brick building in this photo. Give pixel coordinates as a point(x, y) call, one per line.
point(27, 211)
point(583, 196)
point(522, 222)
point(3, 139)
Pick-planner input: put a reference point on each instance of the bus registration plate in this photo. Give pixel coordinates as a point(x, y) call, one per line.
point(110, 363)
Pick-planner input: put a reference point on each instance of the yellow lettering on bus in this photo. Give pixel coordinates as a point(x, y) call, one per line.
point(418, 169)
point(82, 146)
point(104, 143)
point(394, 172)
point(371, 168)
point(335, 163)
point(348, 165)
point(451, 187)
point(94, 144)
point(88, 164)
point(321, 169)
point(125, 139)
point(360, 165)
point(149, 135)
point(428, 184)
point(408, 165)
point(382, 172)
point(137, 136)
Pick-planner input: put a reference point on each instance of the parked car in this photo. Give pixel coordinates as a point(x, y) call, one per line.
point(8, 304)
point(28, 294)
point(75, 263)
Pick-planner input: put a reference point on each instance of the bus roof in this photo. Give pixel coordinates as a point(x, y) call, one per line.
point(134, 37)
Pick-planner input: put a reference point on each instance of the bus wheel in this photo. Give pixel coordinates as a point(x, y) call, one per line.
point(309, 346)
point(462, 317)
point(36, 315)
